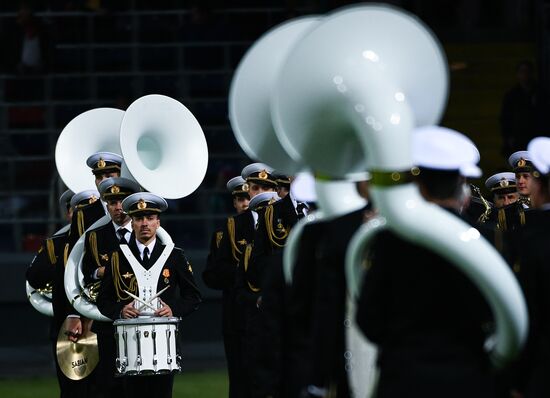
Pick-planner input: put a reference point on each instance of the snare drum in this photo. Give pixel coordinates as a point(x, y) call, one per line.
point(146, 346)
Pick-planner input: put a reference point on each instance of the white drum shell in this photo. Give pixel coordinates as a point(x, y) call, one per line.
point(147, 346)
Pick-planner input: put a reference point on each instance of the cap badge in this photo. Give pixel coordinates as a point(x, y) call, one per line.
point(263, 174)
point(246, 187)
point(141, 204)
point(101, 163)
point(115, 189)
point(92, 199)
point(504, 183)
point(521, 162)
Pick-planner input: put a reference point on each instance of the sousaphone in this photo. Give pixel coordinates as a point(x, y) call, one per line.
point(165, 151)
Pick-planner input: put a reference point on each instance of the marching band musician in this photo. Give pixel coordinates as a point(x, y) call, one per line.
point(316, 360)
point(42, 272)
point(534, 251)
point(81, 202)
point(504, 189)
point(249, 298)
point(181, 298)
point(99, 242)
point(103, 165)
point(522, 166)
point(509, 212)
point(426, 316)
point(216, 276)
point(265, 272)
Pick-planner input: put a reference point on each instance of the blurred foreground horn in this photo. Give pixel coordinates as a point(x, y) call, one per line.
point(251, 88)
point(163, 146)
point(90, 132)
point(378, 73)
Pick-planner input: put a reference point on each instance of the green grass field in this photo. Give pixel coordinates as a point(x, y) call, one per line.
point(211, 384)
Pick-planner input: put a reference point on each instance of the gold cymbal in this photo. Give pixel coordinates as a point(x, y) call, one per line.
point(77, 360)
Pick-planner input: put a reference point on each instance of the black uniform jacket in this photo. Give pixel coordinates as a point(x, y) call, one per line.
point(532, 268)
point(427, 319)
point(49, 267)
point(182, 296)
point(236, 234)
point(99, 243)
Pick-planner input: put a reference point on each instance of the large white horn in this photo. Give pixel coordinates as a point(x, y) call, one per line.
point(163, 146)
point(90, 132)
point(251, 87)
point(378, 72)
point(75, 288)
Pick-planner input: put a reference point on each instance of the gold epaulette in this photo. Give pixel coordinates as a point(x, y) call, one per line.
point(118, 280)
point(50, 247)
point(92, 241)
point(219, 236)
point(502, 220)
point(269, 227)
point(231, 232)
point(80, 221)
point(521, 215)
point(65, 254)
point(246, 259)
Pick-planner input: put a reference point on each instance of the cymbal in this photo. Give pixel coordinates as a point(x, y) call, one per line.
point(77, 360)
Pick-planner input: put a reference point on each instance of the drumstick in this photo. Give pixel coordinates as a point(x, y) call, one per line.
point(154, 297)
point(140, 300)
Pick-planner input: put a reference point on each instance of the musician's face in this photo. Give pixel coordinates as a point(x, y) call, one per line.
point(104, 176)
point(255, 189)
point(145, 227)
point(523, 181)
point(240, 204)
point(505, 199)
point(114, 207)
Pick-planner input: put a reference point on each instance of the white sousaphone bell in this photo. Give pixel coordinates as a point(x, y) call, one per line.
point(379, 72)
point(250, 115)
point(165, 151)
point(90, 132)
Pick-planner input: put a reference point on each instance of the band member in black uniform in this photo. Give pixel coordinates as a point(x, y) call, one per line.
point(99, 243)
point(218, 276)
point(266, 273)
point(522, 166)
point(237, 234)
point(42, 274)
point(249, 297)
point(316, 347)
point(103, 165)
point(508, 213)
point(64, 313)
point(426, 316)
point(533, 272)
point(180, 299)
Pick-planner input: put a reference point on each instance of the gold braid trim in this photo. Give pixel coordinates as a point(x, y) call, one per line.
point(51, 251)
point(92, 240)
point(231, 231)
point(521, 215)
point(80, 222)
point(247, 253)
point(118, 281)
point(502, 220)
point(65, 254)
point(269, 227)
